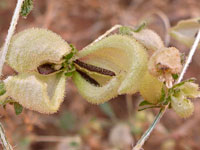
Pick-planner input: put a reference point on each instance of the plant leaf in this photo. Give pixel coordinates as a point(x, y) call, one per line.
point(140, 27)
point(143, 103)
point(2, 89)
point(26, 8)
point(18, 108)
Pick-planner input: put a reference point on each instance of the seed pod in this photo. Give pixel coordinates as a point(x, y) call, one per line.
point(36, 92)
point(150, 88)
point(150, 39)
point(186, 30)
point(94, 94)
point(123, 57)
point(182, 106)
point(34, 47)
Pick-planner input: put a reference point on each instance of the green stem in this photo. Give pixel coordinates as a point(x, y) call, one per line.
point(145, 136)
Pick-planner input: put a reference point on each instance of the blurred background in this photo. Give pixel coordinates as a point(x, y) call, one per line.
point(115, 125)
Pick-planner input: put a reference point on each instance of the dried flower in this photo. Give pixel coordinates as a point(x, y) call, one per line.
point(164, 63)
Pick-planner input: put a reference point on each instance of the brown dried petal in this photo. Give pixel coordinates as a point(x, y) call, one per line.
point(165, 62)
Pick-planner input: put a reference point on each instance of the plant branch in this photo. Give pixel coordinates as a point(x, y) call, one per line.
point(11, 30)
point(117, 26)
point(145, 136)
point(189, 59)
point(4, 141)
point(10, 33)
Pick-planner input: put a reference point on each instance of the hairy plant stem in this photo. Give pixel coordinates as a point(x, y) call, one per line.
point(115, 27)
point(11, 30)
point(145, 136)
point(4, 141)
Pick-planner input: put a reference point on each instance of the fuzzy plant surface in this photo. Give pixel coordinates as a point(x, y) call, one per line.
point(186, 31)
point(129, 61)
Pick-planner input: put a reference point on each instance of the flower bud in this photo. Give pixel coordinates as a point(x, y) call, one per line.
point(149, 39)
point(190, 89)
point(182, 106)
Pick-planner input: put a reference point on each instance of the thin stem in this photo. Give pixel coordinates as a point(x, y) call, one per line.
point(149, 130)
point(189, 59)
point(145, 136)
point(129, 104)
point(4, 141)
point(10, 33)
point(117, 26)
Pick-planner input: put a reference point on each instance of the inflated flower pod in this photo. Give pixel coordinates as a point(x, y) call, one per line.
point(117, 64)
point(34, 47)
point(150, 88)
point(122, 58)
point(186, 31)
point(36, 92)
point(179, 99)
point(190, 90)
point(182, 106)
point(149, 39)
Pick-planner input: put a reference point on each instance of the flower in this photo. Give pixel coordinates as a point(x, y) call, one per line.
point(179, 99)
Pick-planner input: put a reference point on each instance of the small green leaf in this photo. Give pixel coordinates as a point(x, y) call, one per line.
point(18, 108)
point(140, 27)
point(2, 91)
point(143, 103)
point(175, 76)
point(181, 83)
point(69, 74)
point(2, 88)
point(69, 56)
point(124, 30)
point(74, 50)
point(26, 8)
point(163, 94)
